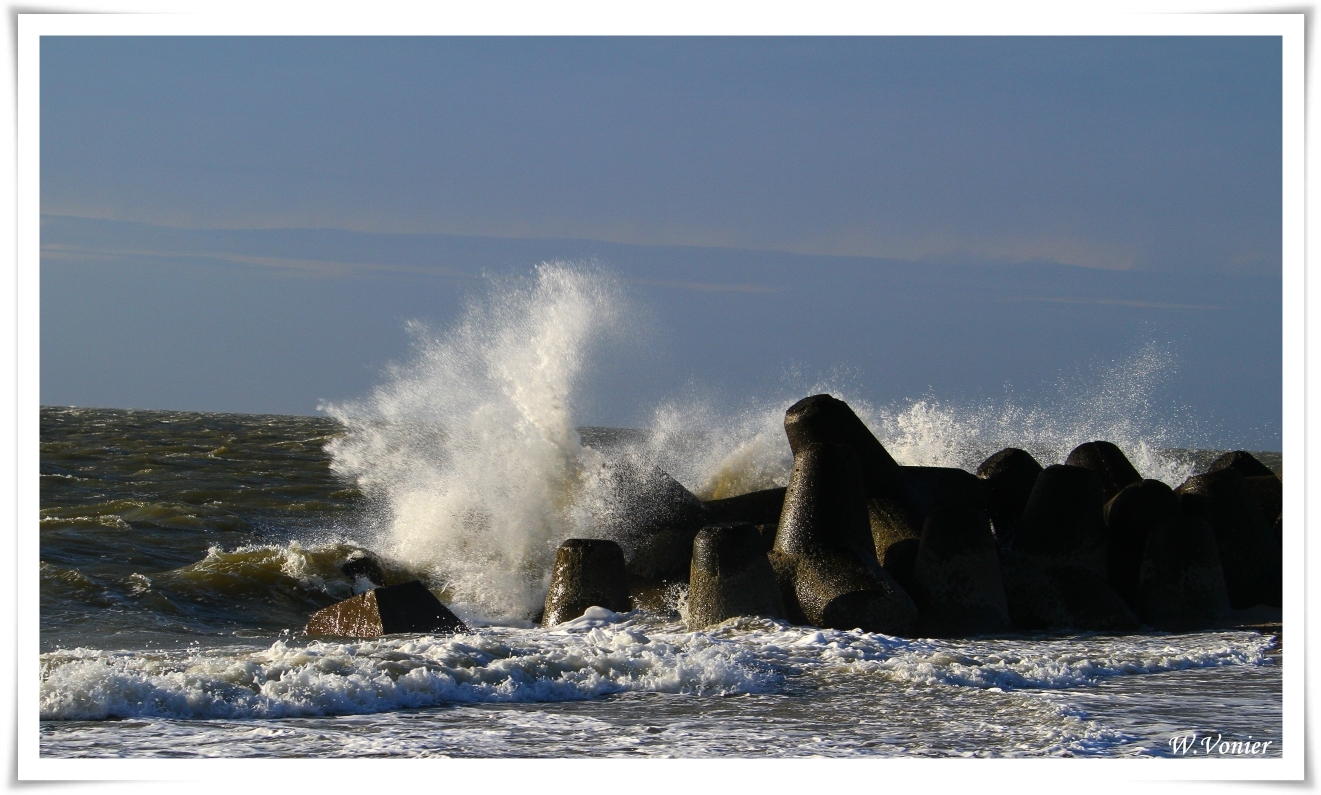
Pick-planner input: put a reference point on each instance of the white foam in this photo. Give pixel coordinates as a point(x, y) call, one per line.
point(491, 665)
point(604, 653)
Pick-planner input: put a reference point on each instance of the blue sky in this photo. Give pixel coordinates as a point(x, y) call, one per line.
point(245, 224)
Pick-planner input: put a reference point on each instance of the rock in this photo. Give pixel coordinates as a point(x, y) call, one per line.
point(655, 518)
point(1062, 597)
point(956, 580)
point(825, 505)
point(836, 591)
point(1063, 523)
point(588, 572)
point(898, 510)
point(900, 558)
point(1130, 518)
point(1009, 476)
point(1249, 556)
point(1181, 583)
point(1109, 463)
point(1246, 463)
point(364, 572)
point(409, 607)
point(731, 576)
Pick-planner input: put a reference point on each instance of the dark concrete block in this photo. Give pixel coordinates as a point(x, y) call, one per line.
point(825, 505)
point(900, 558)
point(655, 518)
point(1109, 463)
point(898, 510)
point(757, 507)
point(408, 607)
point(365, 567)
point(1246, 463)
point(1009, 476)
point(588, 573)
point(956, 579)
point(1181, 582)
point(1063, 597)
point(1248, 555)
point(1141, 509)
point(836, 591)
point(1063, 523)
point(731, 576)
point(823, 419)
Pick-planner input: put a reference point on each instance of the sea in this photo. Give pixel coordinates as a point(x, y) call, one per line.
point(182, 554)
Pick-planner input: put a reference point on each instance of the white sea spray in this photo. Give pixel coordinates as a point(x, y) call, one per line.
point(470, 450)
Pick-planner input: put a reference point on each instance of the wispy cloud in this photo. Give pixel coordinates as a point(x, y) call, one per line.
point(707, 287)
point(1058, 299)
point(310, 267)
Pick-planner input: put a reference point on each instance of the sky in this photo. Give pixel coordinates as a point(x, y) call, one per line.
point(246, 224)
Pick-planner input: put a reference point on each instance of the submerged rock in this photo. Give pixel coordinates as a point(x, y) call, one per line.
point(956, 580)
point(408, 607)
point(731, 576)
point(589, 572)
point(1009, 476)
point(1109, 463)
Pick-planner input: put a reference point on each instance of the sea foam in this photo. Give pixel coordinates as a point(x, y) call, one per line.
point(599, 654)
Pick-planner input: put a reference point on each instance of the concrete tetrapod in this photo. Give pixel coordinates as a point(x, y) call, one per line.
point(408, 607)
point(823, 555)
point(1249, 555)
point(1108, 462)
point(1009, 476)
point(900, 508)
point(1063, 523)
point(1130, 518)
point(657, 517)
point(1181, 582)
point(956, 577)
point(731, 576)
point(589, 572)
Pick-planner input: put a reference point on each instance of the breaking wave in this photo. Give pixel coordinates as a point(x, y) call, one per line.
point(471, 455)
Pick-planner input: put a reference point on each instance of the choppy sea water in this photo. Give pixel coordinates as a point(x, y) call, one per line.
point(182, 553)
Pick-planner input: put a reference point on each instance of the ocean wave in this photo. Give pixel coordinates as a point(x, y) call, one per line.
point(325, 678)
point(600, 654)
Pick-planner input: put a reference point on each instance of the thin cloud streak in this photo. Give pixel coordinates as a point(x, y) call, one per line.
point(1056, 299)
point(309, 267)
